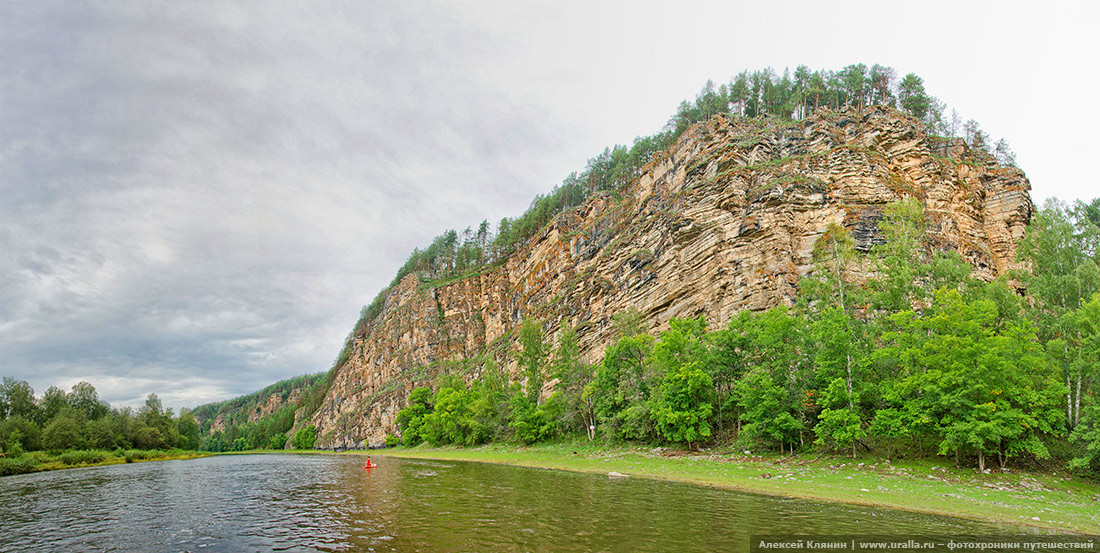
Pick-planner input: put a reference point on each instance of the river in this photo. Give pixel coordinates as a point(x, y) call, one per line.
point(330, 503)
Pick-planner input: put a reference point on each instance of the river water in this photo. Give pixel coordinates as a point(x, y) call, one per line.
point(329, 503)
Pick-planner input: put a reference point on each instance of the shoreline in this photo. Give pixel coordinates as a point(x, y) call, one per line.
point(36, 461)
point(1056, 501)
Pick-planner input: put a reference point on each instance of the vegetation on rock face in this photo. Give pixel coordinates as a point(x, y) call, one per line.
point(760, 95)
point(244, 423)
point(918, 360)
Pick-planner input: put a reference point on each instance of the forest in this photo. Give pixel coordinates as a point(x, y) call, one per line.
point(918, 359)
point(239, 430)
point(76, 428)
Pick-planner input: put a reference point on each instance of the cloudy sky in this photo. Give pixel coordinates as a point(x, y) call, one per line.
point(197, 198)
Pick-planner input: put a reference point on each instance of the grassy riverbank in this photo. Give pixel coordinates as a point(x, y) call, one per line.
point(37, 461)
point(1056, 501)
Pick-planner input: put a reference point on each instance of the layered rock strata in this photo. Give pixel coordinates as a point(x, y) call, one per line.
point(725, 220)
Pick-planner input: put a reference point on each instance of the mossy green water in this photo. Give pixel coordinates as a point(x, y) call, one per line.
point(1055, 501)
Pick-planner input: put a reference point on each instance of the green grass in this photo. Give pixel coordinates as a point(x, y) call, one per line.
point(1059, 501)
point(38, 461)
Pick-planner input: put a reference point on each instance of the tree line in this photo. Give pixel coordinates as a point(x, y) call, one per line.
point(77, 420)
point(919, 359)
point(761, 95)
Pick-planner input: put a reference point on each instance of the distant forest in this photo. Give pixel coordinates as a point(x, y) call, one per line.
point(762, 95)
point(242, 430)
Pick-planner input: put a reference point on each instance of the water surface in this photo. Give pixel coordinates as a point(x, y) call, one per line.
point(329, 503)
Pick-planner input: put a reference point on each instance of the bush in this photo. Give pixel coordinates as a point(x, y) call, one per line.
point(392, 441)
point(305, 438)
point(278, 441)
point(533, 424)
point(17, 465)
point(137, 455)
point(14, 448)
point(62, 432)
point(83, 457)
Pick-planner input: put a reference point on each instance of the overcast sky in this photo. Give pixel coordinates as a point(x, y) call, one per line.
point(196, 199)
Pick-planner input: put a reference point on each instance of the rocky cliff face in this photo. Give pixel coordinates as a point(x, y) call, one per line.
point(725, 220)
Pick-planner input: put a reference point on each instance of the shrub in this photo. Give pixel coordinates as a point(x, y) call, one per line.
point(278, 441)
point(305, 438)
point(17, 465)
point(83, 457)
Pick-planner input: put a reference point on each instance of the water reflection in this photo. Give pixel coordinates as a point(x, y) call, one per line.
point(330, 503)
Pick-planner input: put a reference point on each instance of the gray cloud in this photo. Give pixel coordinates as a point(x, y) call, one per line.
point(197, 198)
point(198, 201)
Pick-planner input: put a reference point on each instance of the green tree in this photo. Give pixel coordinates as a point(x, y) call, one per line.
point(533, 423)
point(767, 410)
point(573, 377)
point(681, 344)
point(622, 387)
point(776, 343)
point(900, 263)
point(64, 431)
point(891, 424)
point(835, 259)
point(157, 428)
point(411, 418)
point(731, 355)
point(839, 425)
point(628, 322)
point(1087, 436)
point(53, 402)
point(533, 356)
point(85, 399)
point(880, 80)
point(188, 429)
point(912, 96)
point(17, 400)
point(277, 441)
point(453, 420)
point(1060, 248)
point(103, 433)
point(855, 85)
point(682, 411)
point(908, 273)
point(19, 433)
point(975, 137)
point(989, 390)
point(838, 350)
point(1003, 152)
point(304, 438)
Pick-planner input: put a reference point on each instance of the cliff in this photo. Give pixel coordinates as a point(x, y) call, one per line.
point(725, 220)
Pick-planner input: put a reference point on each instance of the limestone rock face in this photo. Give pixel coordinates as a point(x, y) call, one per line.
point(273, 403)
point(724, 220)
